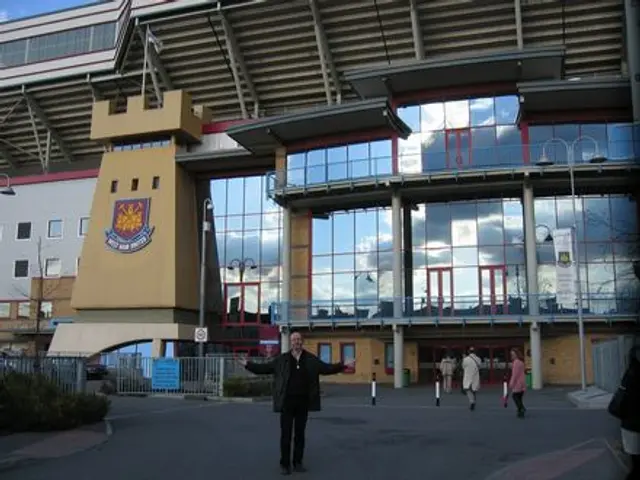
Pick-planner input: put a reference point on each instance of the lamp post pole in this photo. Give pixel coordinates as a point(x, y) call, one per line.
point(576, 244)
point(207, 206)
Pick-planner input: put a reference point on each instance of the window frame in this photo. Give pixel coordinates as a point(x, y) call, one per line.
point(18, 239)
point(322, 345)
point(80, 229)
point(49, 223)
point(343, 345)
point(15, 263)
point(46, 273)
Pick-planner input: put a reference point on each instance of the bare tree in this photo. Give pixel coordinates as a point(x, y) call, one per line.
point(36, 298)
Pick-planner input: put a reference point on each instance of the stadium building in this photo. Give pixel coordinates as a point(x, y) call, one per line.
point(396, 178)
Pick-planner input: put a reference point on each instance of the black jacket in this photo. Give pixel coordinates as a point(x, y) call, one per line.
point(280, 368)
point(630, 417)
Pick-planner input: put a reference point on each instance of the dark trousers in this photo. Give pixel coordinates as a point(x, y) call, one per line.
point(517, 399)
point(293, 419)
point(634, 474)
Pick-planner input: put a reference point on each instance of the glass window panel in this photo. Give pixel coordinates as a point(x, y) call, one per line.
point(419, 283)
point(439, 257)
point(509, 149)
point(419, 258)
point(252, 222)
point(251, 303)
point(483, 141)
point(432, 117)
point(384, 229)
point(235, 187)
point(465, 256)
point(234, 222)
point(490, 256)
point(624, 218)
point(418, 227)
point(597, 252)
point(411, 116)
point(359, 160)
point(513, 222)
point(620, 141)
point(324, 353)
point(564, 208)
point(624, 252)
point(409, 154)
point(490, 223)
point(344, 262)
point(366, 230)
point(538, 135)
point(296, 169)
point(253, 194)
point(233, 302)
point(337, 163)
point(358, 151)
point(457, 114)
point(464, 228)
point(322, 293)
point(270, 247)
point(343, 233)
point(366, 261)
point(597, 219)
point(219, 196)
point(434, 148)
point(627, 284)
point(466, 290)
point(269, 294)
point(601, 280)
point(546, 281)
point(251, 246)
point(507, 109)
point(438, 225)
point(585, 149)
point(321, 264)
point(316, 166)
point(482, 112)
point(344, 290)
point(272, 220)
point(545, 213)
point(517, 284)
point(514, 255)
point(322, 236)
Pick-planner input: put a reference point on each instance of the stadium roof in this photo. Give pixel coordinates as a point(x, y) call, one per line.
point(274, 50)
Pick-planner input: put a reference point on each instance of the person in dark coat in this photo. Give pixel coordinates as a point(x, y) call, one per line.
point(630, 412)
point(296, 392)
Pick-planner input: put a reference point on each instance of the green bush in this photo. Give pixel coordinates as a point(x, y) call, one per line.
point(247, 387)
point(34, 403)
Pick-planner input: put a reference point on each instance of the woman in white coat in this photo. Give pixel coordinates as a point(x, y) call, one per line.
point(471, 376)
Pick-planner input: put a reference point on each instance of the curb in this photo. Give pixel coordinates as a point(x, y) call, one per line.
point(13, 461)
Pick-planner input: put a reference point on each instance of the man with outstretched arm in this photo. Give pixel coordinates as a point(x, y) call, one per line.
point(296, 392)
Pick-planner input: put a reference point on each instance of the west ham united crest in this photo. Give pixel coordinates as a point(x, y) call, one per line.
point(130, 230)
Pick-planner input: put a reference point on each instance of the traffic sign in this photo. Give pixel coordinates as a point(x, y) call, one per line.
point(201, 335)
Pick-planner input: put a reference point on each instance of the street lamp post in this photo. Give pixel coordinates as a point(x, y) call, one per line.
point(207, 206)
point(242, 265)
point(7, 189)
point(545, 161)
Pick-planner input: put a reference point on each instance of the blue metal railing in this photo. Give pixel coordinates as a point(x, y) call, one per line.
point(420, 164)
point(446, 308)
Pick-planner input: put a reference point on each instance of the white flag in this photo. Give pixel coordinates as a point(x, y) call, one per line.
point(565, 267)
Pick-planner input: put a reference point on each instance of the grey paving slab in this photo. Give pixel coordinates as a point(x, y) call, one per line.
point(346, 440)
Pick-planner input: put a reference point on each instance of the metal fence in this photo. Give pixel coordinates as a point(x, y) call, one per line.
point(198, 376)
point(68, 373)
point(610, 360)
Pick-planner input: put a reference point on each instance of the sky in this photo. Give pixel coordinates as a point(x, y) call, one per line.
point(16, 9)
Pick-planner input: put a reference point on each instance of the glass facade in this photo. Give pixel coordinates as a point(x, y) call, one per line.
point(77, 41)
point(248, 235)
point(358, 160)
point(484, 133)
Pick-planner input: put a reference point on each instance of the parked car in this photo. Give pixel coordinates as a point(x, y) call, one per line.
point(97, 372)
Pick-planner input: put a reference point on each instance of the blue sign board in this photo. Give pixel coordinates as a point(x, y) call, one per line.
point(165, 374)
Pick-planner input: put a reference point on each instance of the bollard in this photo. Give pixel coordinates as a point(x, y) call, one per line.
point(505, 392)
point(437, 389)
point(373, 390)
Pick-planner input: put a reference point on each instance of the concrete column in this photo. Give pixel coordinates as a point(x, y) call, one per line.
point(398, 355)
point(158, 347)
point(632, 27)
point(398, 339)
point(285, 295)
point(531, 262)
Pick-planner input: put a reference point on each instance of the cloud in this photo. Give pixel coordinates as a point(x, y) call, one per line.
point(4, 16)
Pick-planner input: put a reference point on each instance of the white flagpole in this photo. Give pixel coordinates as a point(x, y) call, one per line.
point(144, 63)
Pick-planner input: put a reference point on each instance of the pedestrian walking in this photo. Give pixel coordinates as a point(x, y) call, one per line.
point(517, 382)
point(447, 367)
point(471, 376)
point(296, 392)
point(625, 405)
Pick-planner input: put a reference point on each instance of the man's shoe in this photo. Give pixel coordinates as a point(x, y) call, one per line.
point(299, 468)
point(472, 407)
point(285, 470)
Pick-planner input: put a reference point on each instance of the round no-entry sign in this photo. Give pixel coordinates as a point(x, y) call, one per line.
point(201, 335)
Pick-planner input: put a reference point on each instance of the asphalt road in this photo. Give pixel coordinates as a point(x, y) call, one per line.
point(403, 438)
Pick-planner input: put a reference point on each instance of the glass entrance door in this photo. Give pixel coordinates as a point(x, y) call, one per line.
point(458, 145)
point(493, 290)
point(440, 291)
point(242, 303)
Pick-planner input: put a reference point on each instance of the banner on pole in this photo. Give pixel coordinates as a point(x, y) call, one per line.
point(565, 267)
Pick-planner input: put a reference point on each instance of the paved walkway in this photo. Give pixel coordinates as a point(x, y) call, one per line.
point(404, 439)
